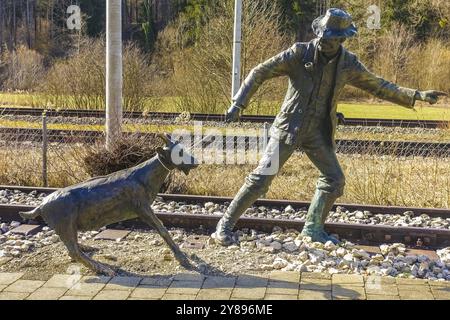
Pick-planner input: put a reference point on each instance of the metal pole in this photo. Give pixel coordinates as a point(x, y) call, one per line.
point(44, 149)
point(113, 71)
point(236, 77)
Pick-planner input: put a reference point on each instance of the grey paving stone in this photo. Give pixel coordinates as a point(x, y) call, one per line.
point(288, 276)
point(146, 292)
point(348, 292)
point(8, 278)
point(184, 287)
point(219, 282)
point(26, 286)
point(282, 287)
point(378, 280)
point(404, 281)
point(244, 281)
point(95, 279)
point(315, 284)
point(113, 295)
point(85, 289)
point(214, 294)
point(415, 295)
point(280, 297)
point(123, 283)
point(315, 275)
point(257, 293)
point(189, 277)
point(63, 281)
point(381, 297)
point(13, 295)
point(382, 289)
point(47, 294)
point(157, 281)
point(176, 296)
point(441, 293)
point(314, 295)
point(75, 298)
point(350, 279)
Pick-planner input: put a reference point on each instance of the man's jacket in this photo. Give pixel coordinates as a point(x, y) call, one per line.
point(294, 63)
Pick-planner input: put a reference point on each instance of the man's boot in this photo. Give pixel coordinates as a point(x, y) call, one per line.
point(319, 209)
point(243, 199)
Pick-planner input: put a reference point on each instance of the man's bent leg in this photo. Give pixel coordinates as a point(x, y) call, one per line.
point(256, 184)
point(330, 186)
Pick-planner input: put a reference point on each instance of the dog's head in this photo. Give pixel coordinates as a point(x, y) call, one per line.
point(176, 155)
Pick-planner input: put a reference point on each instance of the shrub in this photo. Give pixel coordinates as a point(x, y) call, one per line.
point(23, 69)
point(79, 81)
point(128, 152)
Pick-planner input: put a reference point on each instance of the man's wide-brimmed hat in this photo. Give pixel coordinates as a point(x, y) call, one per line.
point(336, 23)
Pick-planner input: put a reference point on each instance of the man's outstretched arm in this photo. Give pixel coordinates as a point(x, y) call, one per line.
point(280, 65)
point(383, 89)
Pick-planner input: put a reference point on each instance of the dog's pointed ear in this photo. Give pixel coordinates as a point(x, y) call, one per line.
point(165, 137)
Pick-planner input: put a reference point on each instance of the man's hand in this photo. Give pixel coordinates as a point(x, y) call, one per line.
point(232, 114)
point(430, 96)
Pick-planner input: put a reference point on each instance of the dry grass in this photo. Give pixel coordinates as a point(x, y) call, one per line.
point(23, 165)
point(419, 182)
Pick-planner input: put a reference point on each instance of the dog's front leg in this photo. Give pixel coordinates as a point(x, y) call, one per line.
point(146, 213)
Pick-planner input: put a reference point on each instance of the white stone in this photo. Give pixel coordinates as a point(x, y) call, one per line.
point(348, 257)
point(359, 215)
point(361, 254)
point(329, 245)
point(209, 205)
point(15, 253)
point(298, 242)
point(384, 248)
point(333, 271)
point(268, 249)
point(279, 263)
point(266, 267)
point(303, 256)
point(290, 246)
point(289, 209)
point(14, 224)
point(276, 245)
point(340, 252)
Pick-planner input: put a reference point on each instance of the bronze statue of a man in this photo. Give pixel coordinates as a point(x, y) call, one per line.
point(317, 71)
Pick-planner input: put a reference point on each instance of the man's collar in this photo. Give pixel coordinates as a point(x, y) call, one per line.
point(324, 59)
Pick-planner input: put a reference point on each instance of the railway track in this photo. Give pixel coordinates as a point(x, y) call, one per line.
point(362, 234)
point(344, 146)
point(428, 124)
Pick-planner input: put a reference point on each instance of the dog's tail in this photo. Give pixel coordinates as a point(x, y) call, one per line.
point(31, 214)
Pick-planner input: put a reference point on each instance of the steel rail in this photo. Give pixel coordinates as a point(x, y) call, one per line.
point(360, 233)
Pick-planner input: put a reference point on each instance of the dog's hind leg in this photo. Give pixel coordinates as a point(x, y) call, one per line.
point(147, 214)
point(69, 238)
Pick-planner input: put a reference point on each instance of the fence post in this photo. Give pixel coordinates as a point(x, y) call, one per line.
point(44, 149)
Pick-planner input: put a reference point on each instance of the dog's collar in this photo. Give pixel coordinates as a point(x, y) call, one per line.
point(162, 163)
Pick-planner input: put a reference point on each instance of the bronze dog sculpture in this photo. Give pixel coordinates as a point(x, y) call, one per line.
point(119, 196)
